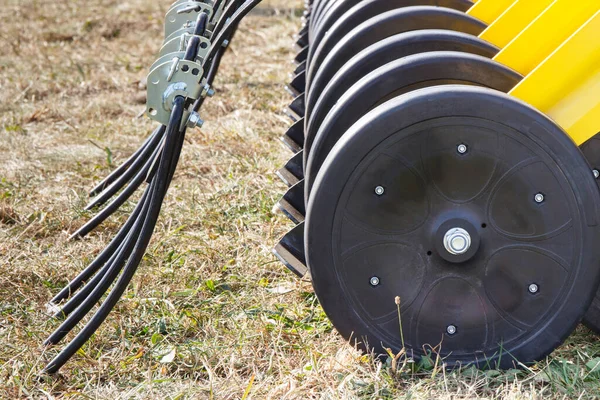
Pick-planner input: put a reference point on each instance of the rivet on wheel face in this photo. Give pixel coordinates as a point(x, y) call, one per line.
point(539, 198)
point(596, 173)
point(374, 281)
point(462, 148)
point(379, 190)
point(451, 329)
point(533, 288)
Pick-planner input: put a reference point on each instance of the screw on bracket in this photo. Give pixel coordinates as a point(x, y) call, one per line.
point(173, 69)
point(194, 120)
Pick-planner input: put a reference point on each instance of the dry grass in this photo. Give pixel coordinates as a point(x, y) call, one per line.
point(209, 292)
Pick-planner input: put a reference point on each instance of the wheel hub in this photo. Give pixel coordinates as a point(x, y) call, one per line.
point(457, 241)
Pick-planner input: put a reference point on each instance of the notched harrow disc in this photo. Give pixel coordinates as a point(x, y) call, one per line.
point(473, 213)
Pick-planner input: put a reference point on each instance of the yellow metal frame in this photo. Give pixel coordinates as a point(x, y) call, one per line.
point(555, 44)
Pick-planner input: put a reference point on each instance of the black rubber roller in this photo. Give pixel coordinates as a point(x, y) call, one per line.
point(348, 14)
point(326, 94)
point(385, 25)
point(395, 78)
point(467, 213)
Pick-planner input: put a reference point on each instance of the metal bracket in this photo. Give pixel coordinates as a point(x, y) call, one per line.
point(180, 44)
point(179, 2)
point(168, 57)
point(183, 15)
point(172, 78)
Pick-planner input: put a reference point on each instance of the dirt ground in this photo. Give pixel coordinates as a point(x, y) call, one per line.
point(210, 314)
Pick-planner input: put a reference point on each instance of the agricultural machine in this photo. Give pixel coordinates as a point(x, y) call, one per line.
point(444, 176)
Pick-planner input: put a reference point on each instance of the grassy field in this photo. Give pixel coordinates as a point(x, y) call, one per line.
point(210, 314)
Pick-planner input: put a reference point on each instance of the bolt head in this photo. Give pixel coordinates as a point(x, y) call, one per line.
point(374, 281)
point(539, 198)
point(451, 329)
point(533, 288)
point(207, 91)
point(379, 190)
point(462, 148)
point(194, 120)
point(596, 173)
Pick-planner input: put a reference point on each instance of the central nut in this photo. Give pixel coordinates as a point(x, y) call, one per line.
point(457, 241)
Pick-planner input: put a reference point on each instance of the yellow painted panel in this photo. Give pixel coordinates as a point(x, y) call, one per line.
point(489, 10)
point(563, 85)
point(579, 112)
point(518, 16)
point(530, 47)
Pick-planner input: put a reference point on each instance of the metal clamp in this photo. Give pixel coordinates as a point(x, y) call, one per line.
point(172, 78)
point(184, 15)
point(180, 42)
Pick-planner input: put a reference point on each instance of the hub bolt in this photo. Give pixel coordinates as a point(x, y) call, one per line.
point(379, 190)
point(533, 288)
point(596, 173)
point(539, 198)
point(451, 329)
point(462, 148)
point(457, 241)
point(374, 281)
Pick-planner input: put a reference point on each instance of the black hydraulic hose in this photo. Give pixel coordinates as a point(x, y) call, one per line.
point(118, 201)
point(227, 13)
point(99, 260)
point(130, 252)
point(73, 302)
point(228, 28)
point(99, 288)
point(82, 294)
point(210, 77)
point(128, 174)
point(158, 188)
point(141, 172)
point(127, 163)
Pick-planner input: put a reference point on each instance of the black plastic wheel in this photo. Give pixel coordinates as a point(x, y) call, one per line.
point(379, 54)
point(348, 14)
point(591, 151)
point(385, 25)
point(395, 78)
point(320, 7)
point(399, 182)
